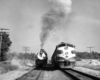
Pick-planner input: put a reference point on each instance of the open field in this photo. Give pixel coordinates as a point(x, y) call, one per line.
point(17, 67)
point(87, 63)
point(15, 64)
point(12, 69)
point(6, 67)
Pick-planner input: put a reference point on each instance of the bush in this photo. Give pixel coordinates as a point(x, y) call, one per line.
point(26, 56)
point(22, 56)
point(86, 55)
point(10, 56)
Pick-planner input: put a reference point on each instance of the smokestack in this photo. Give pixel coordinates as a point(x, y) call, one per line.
point(53, 19)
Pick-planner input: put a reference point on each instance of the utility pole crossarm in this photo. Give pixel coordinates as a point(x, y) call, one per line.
point(90, 48)
point(90, 52)
point(3, 29)
point(26, 49)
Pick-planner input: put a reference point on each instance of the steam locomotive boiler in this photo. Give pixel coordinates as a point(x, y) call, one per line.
point(41, 58)
point(64, 55)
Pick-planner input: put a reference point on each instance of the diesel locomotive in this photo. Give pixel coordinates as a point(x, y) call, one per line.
point(64, 55)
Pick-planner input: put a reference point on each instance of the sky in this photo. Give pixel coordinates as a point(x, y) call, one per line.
point(24, 19)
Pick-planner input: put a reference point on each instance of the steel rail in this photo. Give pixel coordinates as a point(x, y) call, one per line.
point(85, 74)
point(69, 75)
point(38, 75)
point(35, 74)
point(79, 77)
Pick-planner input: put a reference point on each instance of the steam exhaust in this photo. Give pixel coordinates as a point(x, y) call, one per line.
point(54, 18)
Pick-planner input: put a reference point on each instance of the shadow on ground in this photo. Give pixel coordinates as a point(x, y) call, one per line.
point(48, 67)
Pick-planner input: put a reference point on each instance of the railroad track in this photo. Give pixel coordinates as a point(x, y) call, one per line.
point(77, 75)
point(32, 75)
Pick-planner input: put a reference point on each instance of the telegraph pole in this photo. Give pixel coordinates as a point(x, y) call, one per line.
point(90, 52)
point(26, 49)
point(90, 49)
point(2, 30)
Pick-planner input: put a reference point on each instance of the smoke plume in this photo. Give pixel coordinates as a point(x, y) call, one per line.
point(54, 18)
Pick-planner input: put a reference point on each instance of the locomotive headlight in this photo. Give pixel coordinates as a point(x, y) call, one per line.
point(66, 47)
point(66, 53)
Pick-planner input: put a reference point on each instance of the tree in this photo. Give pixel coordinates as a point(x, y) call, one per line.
point(86, 55)
point(5, 45)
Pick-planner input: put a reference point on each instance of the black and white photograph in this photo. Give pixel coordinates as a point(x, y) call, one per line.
point(49, 39)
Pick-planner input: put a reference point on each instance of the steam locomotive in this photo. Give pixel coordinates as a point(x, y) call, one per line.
point(41, 59)
point(64, 55)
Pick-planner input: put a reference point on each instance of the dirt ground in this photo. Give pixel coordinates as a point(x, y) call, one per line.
point(12, 75)
point(88, 63)
point(88, 71)
point(86, 66)
point(89, 66)
point(8, 72)
point(54, 75)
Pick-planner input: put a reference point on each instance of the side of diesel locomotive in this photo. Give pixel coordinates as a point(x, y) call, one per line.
point(41, 58)
point(64, 55)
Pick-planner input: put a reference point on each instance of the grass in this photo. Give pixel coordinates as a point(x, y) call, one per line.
point(22, 57)
point(6, 66)
point(97, 67)
point(87, 64)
